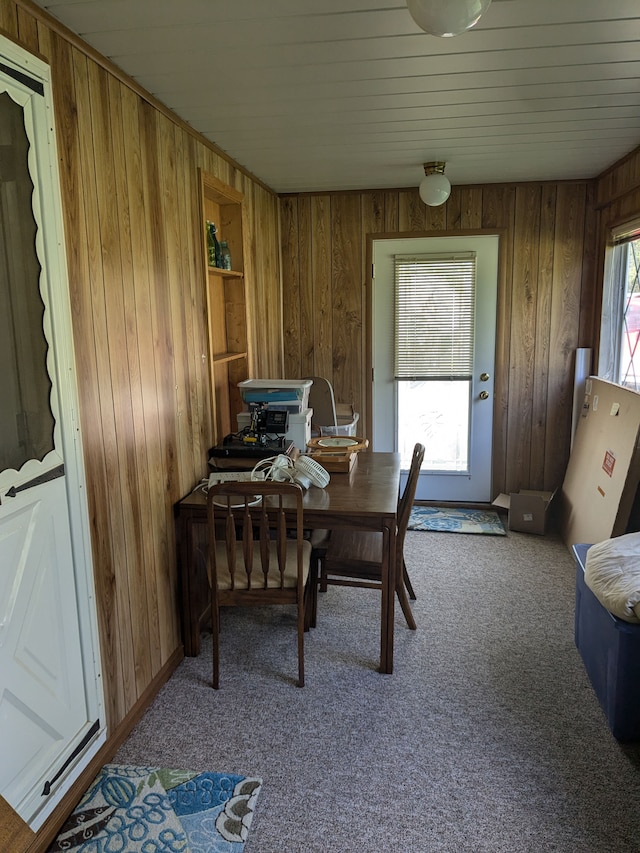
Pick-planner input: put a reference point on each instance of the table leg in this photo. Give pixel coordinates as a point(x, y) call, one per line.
point(190, 622)
point(387, 616)
point(196, 602)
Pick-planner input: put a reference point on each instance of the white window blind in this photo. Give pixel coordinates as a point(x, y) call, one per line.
point(434, 316)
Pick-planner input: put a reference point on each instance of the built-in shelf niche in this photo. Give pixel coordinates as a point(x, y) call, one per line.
point(229, 344)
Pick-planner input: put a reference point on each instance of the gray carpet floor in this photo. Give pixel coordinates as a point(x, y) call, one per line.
point(487, 737)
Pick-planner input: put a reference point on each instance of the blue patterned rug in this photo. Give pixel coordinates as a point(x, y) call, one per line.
point(155, 810)
point(451, 520)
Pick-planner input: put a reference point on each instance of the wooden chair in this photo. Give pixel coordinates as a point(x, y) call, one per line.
point(257, 554)
point(354, 557)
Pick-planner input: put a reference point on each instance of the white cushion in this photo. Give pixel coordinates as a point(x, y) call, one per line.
point(612, 573)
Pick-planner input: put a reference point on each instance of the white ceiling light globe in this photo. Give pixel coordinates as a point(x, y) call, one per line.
point(447, 17)
point(435, 189)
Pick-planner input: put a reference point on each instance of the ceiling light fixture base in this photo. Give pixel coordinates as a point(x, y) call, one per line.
point(435, 187)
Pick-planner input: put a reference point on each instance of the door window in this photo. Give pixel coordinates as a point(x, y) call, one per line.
point(26, 421)
point(433, 363)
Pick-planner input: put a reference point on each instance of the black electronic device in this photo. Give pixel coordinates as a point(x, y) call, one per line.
point(277, 421)
point(267, 421)
point(265, 426)
point(234, 447)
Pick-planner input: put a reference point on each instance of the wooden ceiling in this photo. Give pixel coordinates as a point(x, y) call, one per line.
point(352, 94)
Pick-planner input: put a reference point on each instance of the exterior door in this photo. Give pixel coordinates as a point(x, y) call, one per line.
point(50, 696)
point(452, 417)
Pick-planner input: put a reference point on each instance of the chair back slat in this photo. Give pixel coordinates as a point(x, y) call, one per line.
point(230, 540)
point(281, 549)
point(264, 534)
point(247, 544)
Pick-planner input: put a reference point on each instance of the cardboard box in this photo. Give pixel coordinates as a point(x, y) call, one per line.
point(603, 473)
point(528, 509)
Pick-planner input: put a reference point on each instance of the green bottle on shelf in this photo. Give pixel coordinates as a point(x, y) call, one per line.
point(213, 246)
point(225, 254)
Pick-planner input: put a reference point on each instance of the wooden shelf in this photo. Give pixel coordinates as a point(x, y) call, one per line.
point(229, 344)
point(225, 273)
point(228, 356)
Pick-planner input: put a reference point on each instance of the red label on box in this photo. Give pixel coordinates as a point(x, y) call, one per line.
point(609, 463)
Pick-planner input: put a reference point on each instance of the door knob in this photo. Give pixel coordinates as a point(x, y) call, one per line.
point(484, 377)
point(484, 395)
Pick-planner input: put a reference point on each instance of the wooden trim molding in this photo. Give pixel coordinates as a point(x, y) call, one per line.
point(628, 190)
point(500, 185)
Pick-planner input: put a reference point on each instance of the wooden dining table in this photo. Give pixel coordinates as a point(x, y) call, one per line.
point(365, 498)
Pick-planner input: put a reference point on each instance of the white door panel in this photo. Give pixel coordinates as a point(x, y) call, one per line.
point(51, 720)
point(473, 484)
point(40, 657)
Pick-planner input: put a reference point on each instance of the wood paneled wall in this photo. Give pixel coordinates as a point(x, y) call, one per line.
point(617, 202)
point(618, 189)
point(545, 302)
point(129, 176)
point(130, 195)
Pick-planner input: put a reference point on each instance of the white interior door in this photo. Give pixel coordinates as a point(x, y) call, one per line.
point(51, 720)
point(453, 419)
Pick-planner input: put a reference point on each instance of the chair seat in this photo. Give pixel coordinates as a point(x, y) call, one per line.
point(257, 575)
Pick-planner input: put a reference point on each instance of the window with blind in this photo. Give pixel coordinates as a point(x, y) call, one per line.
point(433, 356)
point(434, 316)
point(619, 352)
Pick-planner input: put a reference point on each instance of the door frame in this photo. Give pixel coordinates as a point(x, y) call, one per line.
point(502, 340)
point(57, 324)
